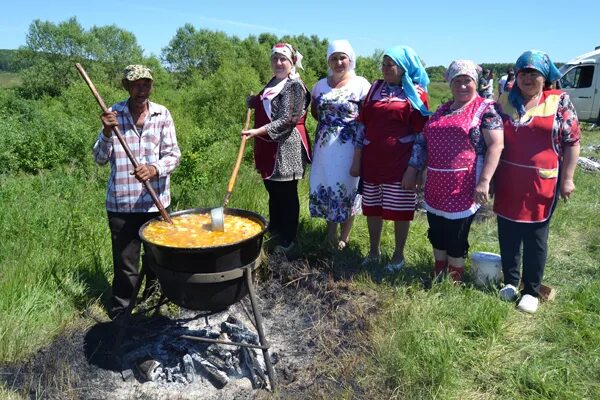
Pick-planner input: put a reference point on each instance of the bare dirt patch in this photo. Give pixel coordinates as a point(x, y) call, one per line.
point(311, 319)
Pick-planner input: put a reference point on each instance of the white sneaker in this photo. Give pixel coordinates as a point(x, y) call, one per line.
point(508, 293)
point(528, 304)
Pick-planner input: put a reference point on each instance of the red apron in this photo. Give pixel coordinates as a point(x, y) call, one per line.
point(527, 175)
point(265, 149)
point(451, 158)
point(390, 137)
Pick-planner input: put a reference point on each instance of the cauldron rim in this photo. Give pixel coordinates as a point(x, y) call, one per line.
point(203, 210)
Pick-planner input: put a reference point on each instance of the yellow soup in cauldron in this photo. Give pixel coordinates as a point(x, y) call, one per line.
point(193, 230)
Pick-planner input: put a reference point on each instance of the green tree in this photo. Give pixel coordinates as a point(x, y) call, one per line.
point(436, 74)
point(370, 67)
point(52, 49)
point(197, 52)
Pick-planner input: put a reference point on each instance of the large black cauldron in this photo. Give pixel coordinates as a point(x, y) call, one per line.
point(206, 278)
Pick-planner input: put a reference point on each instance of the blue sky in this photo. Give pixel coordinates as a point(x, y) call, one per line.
point(439, 31)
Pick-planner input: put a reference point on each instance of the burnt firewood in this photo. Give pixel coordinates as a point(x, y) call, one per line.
point(188, 367)
point(149, 368)
point(257, 375)
point(239, 334)
point(218, 378)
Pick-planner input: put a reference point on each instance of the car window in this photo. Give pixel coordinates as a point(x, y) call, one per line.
point(578, 77)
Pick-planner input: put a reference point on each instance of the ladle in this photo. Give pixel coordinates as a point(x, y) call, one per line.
point(217, 217)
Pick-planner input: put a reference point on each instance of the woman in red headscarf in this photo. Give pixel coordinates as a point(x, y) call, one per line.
point(281, 145)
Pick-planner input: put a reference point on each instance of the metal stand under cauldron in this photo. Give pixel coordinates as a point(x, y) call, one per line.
point(207, 279)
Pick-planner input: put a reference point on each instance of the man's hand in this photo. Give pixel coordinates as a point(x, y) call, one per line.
point(109, 119)
point(145, 172)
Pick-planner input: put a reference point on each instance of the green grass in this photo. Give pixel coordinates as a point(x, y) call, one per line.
point(426, 343)
point(9, 79)
point(54, 256)
point(462, 343)
point(439, 92)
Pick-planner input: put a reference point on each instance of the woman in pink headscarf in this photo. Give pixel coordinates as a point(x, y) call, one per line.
point(281, 146)
point(460, 146)
point(336, 103)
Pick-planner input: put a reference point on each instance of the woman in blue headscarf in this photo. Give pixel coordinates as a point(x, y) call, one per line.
point(394, 112)
point(541, 147)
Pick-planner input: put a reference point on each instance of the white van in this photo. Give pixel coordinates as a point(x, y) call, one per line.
point(581, 79)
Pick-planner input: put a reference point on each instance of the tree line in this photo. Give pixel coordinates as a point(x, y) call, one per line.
point(202, 76)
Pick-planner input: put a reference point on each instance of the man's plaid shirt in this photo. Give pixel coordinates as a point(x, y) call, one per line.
point(156, 145)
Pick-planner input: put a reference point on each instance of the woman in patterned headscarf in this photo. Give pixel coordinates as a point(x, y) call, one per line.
point(281, 146)
point(393, 112)
point(541, 136)
point(336, 102)
point(460, 146)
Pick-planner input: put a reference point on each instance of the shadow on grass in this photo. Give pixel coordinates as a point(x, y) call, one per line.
point(93, 278)
point(346, 264)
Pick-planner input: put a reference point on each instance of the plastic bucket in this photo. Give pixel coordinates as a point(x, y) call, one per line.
point(485, 268)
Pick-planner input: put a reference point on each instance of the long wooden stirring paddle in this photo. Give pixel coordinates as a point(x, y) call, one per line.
point(117, 132)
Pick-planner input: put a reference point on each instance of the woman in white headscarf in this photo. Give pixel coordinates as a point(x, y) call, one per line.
point(281, 146)
point(336, 102)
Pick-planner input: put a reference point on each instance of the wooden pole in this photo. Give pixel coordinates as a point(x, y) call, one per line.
point(238, 161)
point(117, 132)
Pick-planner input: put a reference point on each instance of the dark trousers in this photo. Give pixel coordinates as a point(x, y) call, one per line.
point(284, 208)
point(126, 248)
point(534, 239)
point(451, 235)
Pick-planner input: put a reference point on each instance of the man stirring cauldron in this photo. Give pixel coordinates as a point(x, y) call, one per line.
point(149, 131)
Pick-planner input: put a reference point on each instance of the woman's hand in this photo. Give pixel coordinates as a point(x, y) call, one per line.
point(356, 162)
point(355, 169)
point(480, 196)
point(409, 179)
point(421, 178)
point(570, 157)
point(567, 187)
point(250, 133)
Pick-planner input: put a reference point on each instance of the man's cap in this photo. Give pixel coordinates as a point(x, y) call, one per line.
point(136, 71)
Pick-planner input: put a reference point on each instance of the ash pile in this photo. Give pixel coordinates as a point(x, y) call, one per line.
point(173, 359)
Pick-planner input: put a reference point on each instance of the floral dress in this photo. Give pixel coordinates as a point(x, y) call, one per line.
point(333, 192)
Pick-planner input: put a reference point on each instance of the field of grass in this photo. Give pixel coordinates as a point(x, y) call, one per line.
point(9, 79)
point(441, 342)
point(451, 342)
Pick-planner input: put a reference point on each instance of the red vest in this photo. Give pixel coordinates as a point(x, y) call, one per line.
point(527, 175)
point(390, 130)
point(265, 149)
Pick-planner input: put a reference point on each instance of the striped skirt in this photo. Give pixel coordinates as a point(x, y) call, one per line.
point(388, 201)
